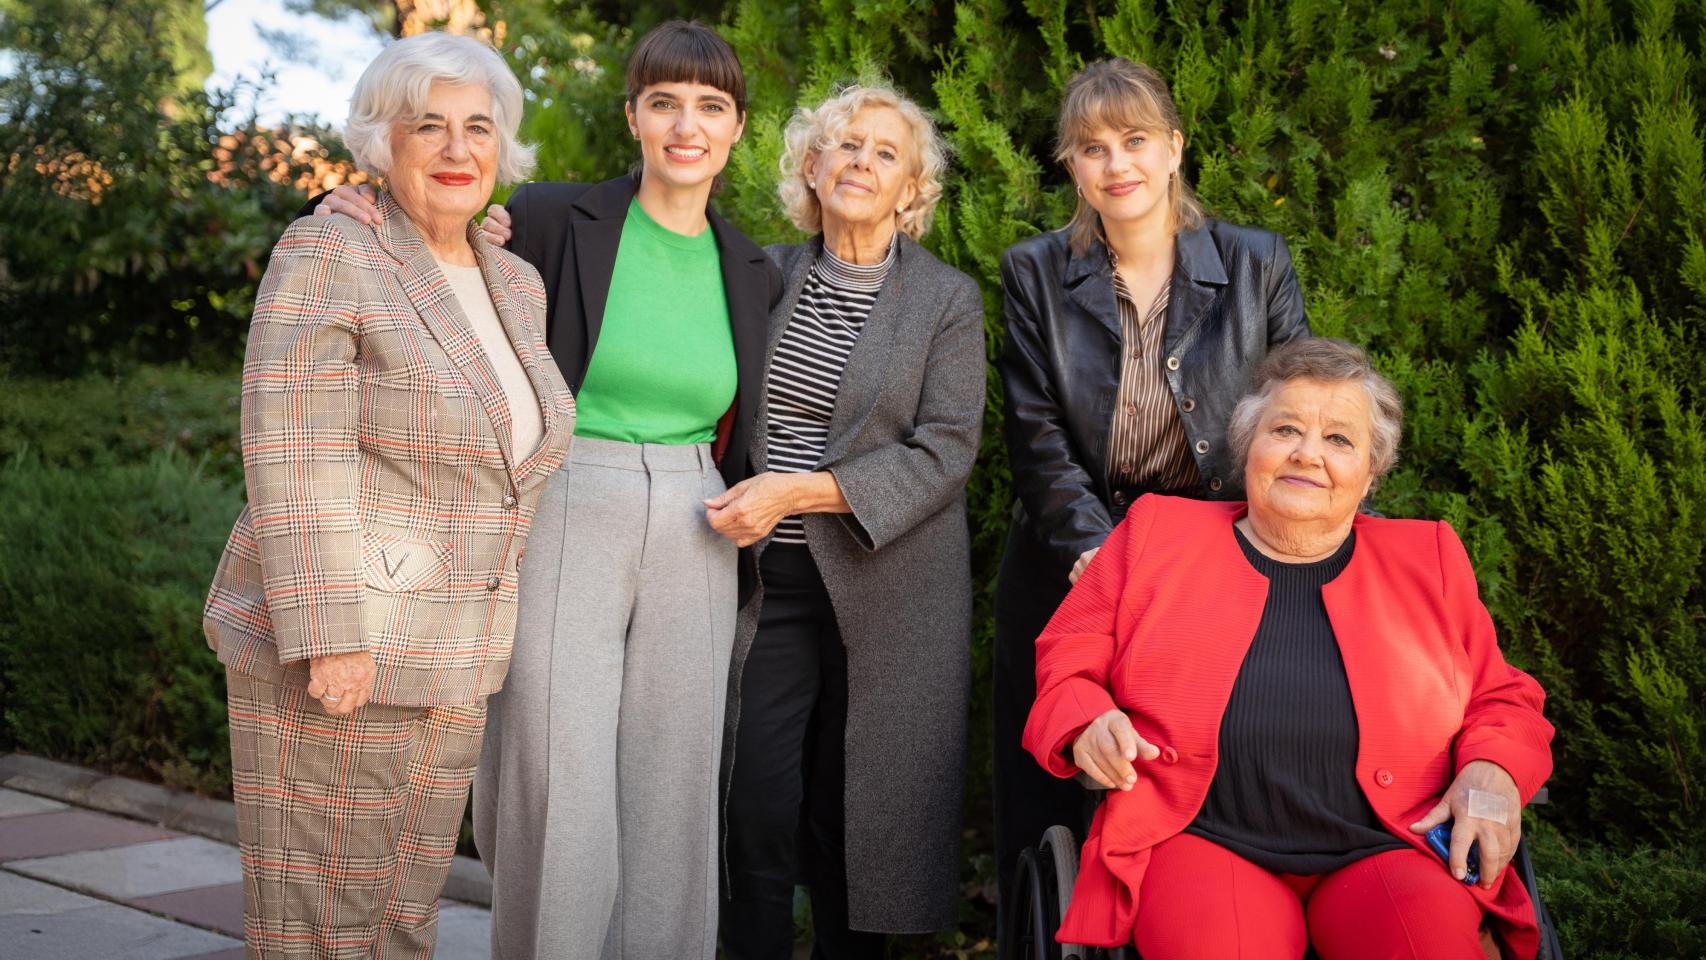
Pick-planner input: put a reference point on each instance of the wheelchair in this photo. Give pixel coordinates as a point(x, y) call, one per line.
point(1045, 873)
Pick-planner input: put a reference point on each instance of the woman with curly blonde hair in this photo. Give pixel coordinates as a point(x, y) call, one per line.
point(851, 663)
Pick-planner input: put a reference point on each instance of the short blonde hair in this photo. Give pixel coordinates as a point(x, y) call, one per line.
point(395, 85)
point(1125, 96)
point(812, 130)
point(1327, 360)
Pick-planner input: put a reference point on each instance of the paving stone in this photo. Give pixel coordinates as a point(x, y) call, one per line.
point(234, 954)
point(464, 932)
point(69, 831)
point(220, 908)
point(141, 869)
point(42, 922)
point(14, 803)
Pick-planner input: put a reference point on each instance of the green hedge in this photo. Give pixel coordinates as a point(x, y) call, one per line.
point(107, 544)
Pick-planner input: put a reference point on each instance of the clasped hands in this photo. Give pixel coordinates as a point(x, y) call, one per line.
point(342, 683)
point(1484, 799)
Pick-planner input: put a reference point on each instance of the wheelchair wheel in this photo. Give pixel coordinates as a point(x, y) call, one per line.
point(1057, 854)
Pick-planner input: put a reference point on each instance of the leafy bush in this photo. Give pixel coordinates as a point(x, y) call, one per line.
point(134, 223)
point(1613, 903)
point(102, 573)
point(125, 418)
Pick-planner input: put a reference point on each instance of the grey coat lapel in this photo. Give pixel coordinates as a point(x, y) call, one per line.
point(862, 380)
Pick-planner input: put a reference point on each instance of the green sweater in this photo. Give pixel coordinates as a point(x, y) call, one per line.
point(663, 370)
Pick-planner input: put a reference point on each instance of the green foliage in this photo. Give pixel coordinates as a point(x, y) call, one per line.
point(106, 549)
point(134, 223)
point(1614, 903)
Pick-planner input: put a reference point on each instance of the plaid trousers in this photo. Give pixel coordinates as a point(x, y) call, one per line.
point(347, 825)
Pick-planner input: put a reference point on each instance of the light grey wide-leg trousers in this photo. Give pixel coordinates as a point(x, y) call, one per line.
point(595, 805)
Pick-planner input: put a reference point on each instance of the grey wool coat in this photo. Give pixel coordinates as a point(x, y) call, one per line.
point(901, 444)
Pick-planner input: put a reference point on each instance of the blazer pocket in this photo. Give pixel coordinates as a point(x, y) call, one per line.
point(396, 565)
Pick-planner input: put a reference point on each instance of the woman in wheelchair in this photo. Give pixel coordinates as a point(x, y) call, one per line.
point(1284, 697)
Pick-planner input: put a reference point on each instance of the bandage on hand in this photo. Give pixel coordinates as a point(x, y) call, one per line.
point(1486, 805)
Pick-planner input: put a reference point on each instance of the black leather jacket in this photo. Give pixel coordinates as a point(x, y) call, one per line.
point(1233, 294)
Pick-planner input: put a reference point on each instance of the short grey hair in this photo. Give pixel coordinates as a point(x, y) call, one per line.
point(813, 130)
point(394, 88)
point(1326, 360)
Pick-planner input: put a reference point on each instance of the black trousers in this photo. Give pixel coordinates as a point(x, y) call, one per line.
point(1028, 799)
point(785, 820)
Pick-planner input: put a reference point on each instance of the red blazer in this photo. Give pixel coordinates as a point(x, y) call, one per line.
point(1158, 627)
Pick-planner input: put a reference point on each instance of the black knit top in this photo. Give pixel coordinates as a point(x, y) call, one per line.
point(1285, 794)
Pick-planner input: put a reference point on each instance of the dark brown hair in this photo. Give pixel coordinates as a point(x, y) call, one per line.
point(686, 51)
point(1124, 95)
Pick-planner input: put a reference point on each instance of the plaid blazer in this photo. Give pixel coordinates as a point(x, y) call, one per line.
point(387, 511)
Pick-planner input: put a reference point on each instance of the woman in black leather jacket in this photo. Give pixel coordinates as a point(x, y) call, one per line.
point(1131, 334)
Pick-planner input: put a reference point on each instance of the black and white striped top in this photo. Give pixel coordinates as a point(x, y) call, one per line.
point(805, 374)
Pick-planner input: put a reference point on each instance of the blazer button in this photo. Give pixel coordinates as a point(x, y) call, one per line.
point(1120, 497)
point(1187, 404)
point(1172, 363)
point(493, 582)
point(519, 554)
point(509, 501)
point(1202, 446)
point(1383, 777)
point(1215, 484)
point(1169, 755)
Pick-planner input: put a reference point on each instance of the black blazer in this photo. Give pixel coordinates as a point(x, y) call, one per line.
point(1233, 295)
point(569, 232)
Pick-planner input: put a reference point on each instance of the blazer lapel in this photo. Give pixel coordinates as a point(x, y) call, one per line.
point(1090, 283)
point(863, 377)
point(745, 288)
point(518, 327)
point(435, 302)
point(1198, 277)
point(593, 247)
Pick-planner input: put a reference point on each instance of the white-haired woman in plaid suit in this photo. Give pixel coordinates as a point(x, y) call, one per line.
point(400, 415)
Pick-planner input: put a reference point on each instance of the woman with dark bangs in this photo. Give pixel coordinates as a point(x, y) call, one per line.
point(595, 802)
point(1131, 334)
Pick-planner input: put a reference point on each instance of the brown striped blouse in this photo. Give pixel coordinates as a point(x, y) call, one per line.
point(1147, 448)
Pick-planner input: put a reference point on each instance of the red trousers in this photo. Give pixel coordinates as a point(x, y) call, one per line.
point(1200, 900)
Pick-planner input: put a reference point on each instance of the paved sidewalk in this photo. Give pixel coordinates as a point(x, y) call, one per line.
point(88, 884)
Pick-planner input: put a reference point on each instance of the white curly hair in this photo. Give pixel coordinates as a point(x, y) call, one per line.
point(815, 129)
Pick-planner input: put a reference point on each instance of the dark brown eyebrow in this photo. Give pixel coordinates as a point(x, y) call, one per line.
point(671, 94)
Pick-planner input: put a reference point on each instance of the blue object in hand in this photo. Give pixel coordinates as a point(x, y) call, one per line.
point(1439, 839)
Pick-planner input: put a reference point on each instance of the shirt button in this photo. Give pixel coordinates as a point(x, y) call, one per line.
point(1131, 409)
point(1187, 404)
point(1137, 354)
point(509, 502)
point(1172, 363)
point(1202, 446)
point(1169, 755)
point(1383, 777)
point(493, 582)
